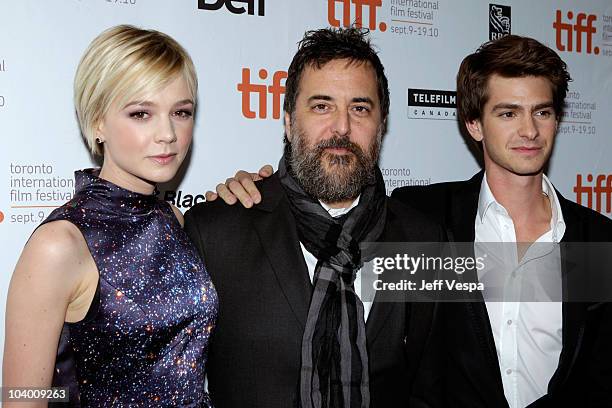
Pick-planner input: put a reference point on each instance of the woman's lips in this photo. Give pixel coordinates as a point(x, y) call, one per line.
point(164, 158)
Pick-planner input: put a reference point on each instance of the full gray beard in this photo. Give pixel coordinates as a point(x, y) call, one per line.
point(346, 175)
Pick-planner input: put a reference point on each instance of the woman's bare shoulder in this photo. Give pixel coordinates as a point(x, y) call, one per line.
point(56, 248)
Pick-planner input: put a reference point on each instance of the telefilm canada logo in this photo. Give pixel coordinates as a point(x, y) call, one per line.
point(234, 7)
point(499, 21)
point(432, 104)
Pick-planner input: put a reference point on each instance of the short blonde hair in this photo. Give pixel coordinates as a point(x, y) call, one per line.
point(122, 63)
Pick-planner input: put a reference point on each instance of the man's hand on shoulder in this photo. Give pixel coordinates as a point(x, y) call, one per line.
point(241, 187)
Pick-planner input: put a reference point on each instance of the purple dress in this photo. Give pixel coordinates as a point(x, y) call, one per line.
point(144, 341)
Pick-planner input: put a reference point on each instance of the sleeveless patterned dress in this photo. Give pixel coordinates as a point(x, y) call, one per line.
point(144, 340)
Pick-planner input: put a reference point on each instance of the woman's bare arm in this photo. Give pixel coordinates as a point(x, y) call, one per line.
point(52, 283)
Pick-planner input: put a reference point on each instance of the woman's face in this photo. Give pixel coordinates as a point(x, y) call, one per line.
point(146, 140)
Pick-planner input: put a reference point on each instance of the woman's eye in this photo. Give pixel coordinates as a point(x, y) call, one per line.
point(183, 114)
point(139, 115)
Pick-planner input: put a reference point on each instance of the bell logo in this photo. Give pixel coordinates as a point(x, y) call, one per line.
point(603, 188)
point(345, 5)
point(246, 88)
point(583, 25)
point(229, 5)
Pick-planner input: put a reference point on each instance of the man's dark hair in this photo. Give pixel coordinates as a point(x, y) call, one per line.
point(512, 56)
point(318, 47)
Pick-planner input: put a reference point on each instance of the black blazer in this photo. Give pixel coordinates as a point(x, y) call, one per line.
point(584, 374)
point(258, 269)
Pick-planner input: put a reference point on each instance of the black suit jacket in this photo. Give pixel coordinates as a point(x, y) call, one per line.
point(584, 374)
point(258, 269)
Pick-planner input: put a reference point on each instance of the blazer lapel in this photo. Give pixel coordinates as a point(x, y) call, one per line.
point(394, 231)
point(278, 236)
point(574, 313)
point(462, 208)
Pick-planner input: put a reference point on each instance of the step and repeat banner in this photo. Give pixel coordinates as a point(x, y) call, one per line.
point(242, 49)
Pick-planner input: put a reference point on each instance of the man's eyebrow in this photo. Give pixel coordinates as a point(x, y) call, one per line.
point(543, 105)
point(505, 106)
point(359, 99)
point(363, 99)
point(320, 97)
point(502, 105)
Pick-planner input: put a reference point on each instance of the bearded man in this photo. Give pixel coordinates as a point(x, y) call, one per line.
point(292, 330)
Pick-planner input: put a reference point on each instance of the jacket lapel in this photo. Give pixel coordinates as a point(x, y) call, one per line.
point(574, 313)
point(278, 236)
point(462, 208)
point(379, 313)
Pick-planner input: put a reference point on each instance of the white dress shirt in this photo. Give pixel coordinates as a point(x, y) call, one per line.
point(527, 334)
point(311, 260)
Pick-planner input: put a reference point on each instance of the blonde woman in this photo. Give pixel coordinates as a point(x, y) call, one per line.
point(110, 276)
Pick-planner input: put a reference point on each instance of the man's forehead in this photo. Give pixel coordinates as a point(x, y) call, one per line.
point(357, 75)
point(498, 81)
point(503, 87)
point(346, 62)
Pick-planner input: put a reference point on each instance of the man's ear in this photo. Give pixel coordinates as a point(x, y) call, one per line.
point(288, 126)
point(383, 125)
point(475, 129)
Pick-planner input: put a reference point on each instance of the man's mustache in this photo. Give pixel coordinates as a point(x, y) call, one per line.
point(340, 143)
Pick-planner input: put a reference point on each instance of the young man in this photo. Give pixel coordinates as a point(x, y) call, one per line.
point(292, 330)
point(510, 97)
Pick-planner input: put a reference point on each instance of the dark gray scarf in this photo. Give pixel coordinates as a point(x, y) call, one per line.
point(334, 369)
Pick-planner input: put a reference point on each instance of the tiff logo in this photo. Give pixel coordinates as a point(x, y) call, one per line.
point(499, 21)
point(583, 25)
point(345, 5)
point(229, 4)
point(603, 188)
point(246, 88)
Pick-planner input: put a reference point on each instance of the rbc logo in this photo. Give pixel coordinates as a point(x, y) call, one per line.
point(584, 24)
point(499, 21)
point(371, 5)
point(217, 4)
point(246, 88)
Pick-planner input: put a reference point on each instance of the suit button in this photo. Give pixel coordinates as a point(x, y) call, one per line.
point(509, 371)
